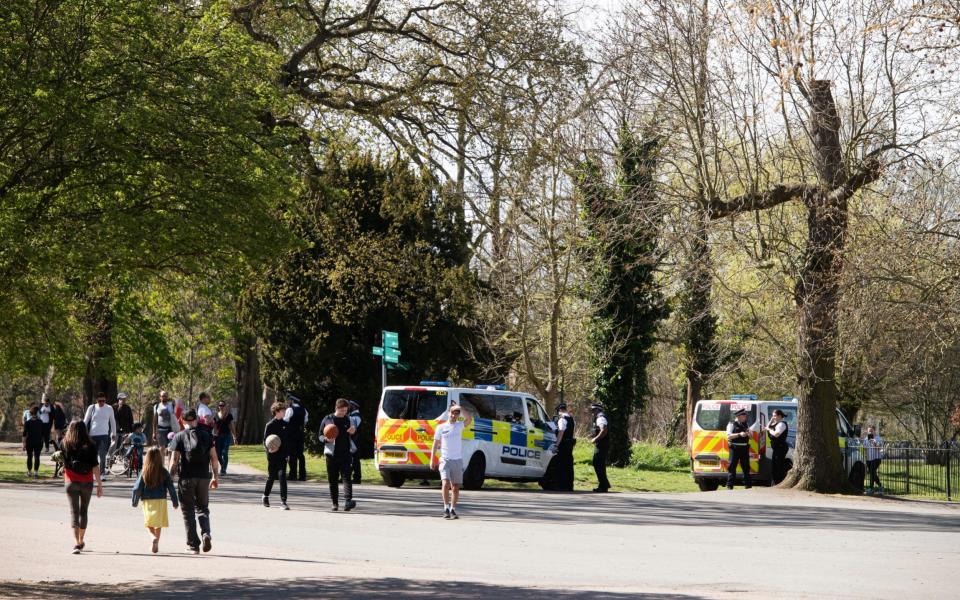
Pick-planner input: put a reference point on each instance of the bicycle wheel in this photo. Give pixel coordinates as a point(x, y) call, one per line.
point(117, 464)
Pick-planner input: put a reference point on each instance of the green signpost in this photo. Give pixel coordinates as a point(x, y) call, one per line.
point(388, 351)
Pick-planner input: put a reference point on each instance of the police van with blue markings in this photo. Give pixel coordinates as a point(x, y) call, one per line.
point(510, 438)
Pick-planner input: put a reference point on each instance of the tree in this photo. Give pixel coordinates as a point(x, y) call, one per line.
point(131, 146)
point(383, 248)
point(624, 226)
point(807, 147)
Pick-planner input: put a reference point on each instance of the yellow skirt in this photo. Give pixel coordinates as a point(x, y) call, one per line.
point(155, 513)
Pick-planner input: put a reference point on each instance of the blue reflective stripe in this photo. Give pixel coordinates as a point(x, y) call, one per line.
point(518, 438)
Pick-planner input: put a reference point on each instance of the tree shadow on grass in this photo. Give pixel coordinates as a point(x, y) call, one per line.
point(304, 588)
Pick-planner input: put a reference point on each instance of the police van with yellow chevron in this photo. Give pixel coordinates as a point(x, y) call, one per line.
point(510, 438)
point(710, 451)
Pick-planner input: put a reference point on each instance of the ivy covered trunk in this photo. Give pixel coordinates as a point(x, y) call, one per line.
point(624, 225)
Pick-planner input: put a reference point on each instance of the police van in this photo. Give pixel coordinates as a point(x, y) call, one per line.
point(510, 438)
point(709, 451)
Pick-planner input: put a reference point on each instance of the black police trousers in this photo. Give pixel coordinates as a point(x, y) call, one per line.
point(600, 453)
point(298, 462)
point(739, 455)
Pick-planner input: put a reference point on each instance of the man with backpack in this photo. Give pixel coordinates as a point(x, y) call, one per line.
point(195, 459)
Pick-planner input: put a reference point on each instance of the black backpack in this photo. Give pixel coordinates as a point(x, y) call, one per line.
point(195, 447)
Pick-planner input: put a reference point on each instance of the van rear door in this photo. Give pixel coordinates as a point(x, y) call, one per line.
point(406, 423)
point(709, 450)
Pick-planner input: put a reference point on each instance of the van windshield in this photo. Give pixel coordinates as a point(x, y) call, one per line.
point(714, 416)
point(414, 404)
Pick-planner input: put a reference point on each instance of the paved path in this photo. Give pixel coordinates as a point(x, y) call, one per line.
point(507, 544)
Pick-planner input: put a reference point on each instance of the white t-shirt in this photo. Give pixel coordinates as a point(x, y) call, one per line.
point(601, 421)
point(874, 447)
point(562, 421)
point(204, 414)
point(45, 410)
point(451, 440)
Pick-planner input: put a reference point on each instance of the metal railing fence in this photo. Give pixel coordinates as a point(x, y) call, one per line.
point(910, 469)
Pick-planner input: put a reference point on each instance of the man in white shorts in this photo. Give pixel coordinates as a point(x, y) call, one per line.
point(449, 436)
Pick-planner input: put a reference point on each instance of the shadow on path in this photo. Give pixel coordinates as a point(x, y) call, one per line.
point(297, 589)
point(648, 510)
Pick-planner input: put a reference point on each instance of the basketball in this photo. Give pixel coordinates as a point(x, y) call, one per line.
point(331, 432)
point(272, 443)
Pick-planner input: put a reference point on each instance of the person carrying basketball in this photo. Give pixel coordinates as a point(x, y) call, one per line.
point(276, 457)
point(335, 432)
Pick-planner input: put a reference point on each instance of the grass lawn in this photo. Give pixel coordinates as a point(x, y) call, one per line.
point(13, 467)
point(654, 469)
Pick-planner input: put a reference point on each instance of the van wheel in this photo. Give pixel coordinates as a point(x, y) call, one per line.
point(857, 474)
point(476, 471)
point(708, 485)
point(394, 480)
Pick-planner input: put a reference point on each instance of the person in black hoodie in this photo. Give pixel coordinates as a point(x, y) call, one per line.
point(277, 460)
point(33, 430)
point(338, 455)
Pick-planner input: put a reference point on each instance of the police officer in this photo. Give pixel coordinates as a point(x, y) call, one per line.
point(738, 438)
point(355, 420)
point(565, 442)
point(777, 429)
point(601, 442)
point(296, 417)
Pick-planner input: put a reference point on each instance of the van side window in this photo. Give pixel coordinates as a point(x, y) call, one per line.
point(481, 405)
point(509, 409)
point(537, 416)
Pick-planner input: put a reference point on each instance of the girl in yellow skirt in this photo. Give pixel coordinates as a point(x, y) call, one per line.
point(152, 487)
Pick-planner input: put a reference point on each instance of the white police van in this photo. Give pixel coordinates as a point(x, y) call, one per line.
point(510, 438)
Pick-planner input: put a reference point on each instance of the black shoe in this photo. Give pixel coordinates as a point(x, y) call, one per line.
point(356, 482)
point(351, 504)
point(76, 549)
point(453, 513)
point(283, 505)
point(600, 490)
point(747, 487)
point(304, 478)
point(192, 550)
point(207, 542)
point(335, 507)
point(729, 487)
point(446, 513)
point(266, 501)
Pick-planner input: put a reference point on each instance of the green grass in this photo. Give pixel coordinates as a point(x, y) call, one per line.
point(13, 467)
point(653, 469)
point(925, 481)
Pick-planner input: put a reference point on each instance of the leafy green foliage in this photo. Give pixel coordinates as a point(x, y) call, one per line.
point(383, 249)
point(130, 146)
point(623, 227)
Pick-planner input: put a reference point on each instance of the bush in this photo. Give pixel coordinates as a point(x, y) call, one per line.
point(651, 457)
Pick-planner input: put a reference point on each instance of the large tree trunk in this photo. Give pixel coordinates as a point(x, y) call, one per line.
point(817, 464)
point(100, 375)
point(250, 414)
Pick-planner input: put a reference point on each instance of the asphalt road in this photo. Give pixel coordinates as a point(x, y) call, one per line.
point(756, 543)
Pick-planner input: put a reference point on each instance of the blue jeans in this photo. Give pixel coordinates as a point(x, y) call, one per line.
point(223, 451)
point(103, 444)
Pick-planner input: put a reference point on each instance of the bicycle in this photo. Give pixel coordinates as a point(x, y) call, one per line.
point(123, 458)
